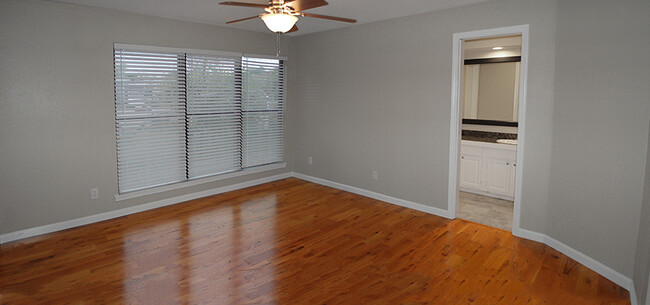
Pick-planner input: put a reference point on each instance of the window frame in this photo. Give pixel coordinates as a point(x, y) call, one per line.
point(210, 178)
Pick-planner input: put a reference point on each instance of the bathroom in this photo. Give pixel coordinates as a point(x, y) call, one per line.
point(489, 113)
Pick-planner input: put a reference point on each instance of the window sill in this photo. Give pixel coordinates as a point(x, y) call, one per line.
point(165, 188)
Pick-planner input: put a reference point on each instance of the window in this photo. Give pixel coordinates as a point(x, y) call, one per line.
point(185, 114)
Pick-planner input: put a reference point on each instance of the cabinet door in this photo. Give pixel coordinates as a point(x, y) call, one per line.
point(513, 169)
point(470, 172)
point(497, 176)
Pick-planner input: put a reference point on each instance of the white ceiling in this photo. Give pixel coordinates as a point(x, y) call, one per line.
point(482, 48)
point(209, 11)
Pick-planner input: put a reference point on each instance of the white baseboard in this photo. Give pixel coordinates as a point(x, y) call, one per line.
point(576, 255)
point(12, 236)
point(581, 258)
point(632, 290)
point(401, 202)
point(592, 264)
point(488, 194)
point(527, 234)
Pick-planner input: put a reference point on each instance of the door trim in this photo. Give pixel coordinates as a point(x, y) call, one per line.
point(455, 122)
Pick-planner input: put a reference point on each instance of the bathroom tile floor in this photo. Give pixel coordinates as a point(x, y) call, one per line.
point(485, 210)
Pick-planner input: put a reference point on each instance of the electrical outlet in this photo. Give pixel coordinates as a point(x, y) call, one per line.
point(310, 160)
point(94, 193)
point(375, 175)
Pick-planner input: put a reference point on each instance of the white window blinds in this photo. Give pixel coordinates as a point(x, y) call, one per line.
point(213, 115)
point(263, 97)
point(186, 115)
point(150, 118)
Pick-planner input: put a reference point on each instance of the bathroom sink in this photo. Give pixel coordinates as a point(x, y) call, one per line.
point(507, 141)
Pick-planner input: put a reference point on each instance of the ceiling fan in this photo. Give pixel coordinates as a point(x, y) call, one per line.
point(281, 15)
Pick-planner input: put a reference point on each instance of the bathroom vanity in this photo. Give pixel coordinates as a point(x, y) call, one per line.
point(488, 169)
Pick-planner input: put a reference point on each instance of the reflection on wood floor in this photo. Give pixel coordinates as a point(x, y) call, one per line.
point(292, 242)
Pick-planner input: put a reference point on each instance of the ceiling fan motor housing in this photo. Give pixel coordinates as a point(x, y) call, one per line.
point(279, 7)
point(280, 16)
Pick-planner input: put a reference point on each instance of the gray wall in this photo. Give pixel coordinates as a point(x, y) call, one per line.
point(642, 258)
point(364, 98)
point(377, 97)
point(57, 110)
point(600, 137)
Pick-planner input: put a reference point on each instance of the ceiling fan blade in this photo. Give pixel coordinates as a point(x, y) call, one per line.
point(329, 17)
point(234, 3)
point(301, 5)
point(293, 29)
point(243, 19)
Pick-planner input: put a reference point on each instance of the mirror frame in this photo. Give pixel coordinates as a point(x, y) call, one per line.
point(495, 60)
point(490, 122)
point(478, 61)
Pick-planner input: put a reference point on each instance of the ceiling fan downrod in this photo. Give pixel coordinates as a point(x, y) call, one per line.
point(278, 39)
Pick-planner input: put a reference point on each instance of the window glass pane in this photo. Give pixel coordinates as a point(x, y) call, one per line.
point(214, 115)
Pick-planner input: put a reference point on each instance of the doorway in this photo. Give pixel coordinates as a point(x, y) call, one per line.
point(485, 176)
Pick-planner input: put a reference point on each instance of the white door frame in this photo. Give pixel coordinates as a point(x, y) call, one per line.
point(455, 130)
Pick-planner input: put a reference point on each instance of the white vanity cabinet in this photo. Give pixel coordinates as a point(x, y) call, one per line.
point(488, 169)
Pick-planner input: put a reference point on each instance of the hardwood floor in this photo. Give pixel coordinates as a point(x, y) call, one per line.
point(292, 242)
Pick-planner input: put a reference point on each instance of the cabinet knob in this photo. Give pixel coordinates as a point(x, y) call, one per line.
point(462, 157)
point(507, 163)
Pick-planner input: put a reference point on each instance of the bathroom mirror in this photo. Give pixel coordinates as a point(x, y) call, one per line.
point(491, 91)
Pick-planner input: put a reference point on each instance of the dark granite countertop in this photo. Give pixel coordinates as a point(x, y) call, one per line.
point(485, 136)
point(479, 139)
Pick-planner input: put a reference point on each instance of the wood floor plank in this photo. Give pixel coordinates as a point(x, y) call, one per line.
point(292, 242)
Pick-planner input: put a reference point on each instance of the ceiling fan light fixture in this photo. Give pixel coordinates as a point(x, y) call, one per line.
point(279, 22)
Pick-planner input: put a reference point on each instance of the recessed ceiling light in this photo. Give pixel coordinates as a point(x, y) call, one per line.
point(497, 48)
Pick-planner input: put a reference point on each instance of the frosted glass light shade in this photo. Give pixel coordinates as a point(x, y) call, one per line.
point(279, 23)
